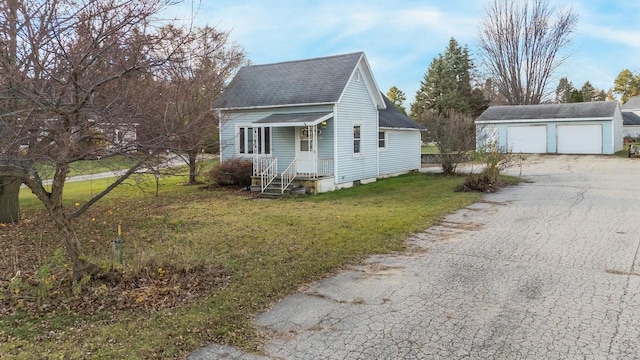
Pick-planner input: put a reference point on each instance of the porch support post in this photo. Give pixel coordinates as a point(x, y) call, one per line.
point(315, 150)
point(257, 169)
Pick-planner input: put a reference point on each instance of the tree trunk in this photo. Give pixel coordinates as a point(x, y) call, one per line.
point(81, 267)
point(9, 204)
point(192, 166)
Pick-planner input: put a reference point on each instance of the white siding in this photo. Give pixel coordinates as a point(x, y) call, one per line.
point(356, 108)
point(632, 131)
point(402, 152)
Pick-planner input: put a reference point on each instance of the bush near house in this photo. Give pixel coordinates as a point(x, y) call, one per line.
point(234, 172)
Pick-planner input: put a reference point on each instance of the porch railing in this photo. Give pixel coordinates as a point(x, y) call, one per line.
point(260, 163)
point(268, 174)
point(325, 167)
point(287, 176)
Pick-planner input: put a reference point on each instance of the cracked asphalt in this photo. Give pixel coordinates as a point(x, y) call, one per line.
point(547, 269)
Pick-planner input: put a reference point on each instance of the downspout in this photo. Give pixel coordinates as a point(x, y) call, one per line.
point(377, 140)
point(220, 134)
point(335, 144)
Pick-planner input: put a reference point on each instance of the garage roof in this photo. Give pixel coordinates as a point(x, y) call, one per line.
point(586, 110)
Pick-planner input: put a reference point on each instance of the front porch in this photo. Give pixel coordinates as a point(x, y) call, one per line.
point(316, 176)
point(293, 151)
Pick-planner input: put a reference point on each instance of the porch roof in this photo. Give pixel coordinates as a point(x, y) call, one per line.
point(297, 119)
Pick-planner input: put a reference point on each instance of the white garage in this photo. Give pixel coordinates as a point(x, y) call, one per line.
point(527, 139)
point(576, 128)
point(579, 139)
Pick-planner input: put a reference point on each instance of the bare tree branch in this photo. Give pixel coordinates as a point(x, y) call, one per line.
point(521, 43)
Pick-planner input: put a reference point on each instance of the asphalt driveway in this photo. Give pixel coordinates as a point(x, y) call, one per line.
point(547, 269)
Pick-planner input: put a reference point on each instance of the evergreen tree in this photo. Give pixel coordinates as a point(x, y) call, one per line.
point(576, 96)
point(564, 90)
point(397, 97)
point(588, 92)
point(566, 93)
point(446, 86)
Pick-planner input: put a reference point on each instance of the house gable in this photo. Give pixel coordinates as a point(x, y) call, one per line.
point(356, 108)
point(362, 72)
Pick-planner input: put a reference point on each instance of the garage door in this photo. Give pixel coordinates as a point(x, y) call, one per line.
point(579, 139)
point(530, 139)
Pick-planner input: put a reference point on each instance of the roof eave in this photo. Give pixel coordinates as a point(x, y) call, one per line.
point(543, 120)
point(398, 128)
point(295, 124)
point(273, 106)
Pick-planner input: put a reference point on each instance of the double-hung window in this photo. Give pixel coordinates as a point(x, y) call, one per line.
point(382, 139)
point(252, 140)
point(357, 150)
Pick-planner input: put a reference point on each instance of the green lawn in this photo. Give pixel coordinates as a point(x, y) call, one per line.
point(85, 167)
point(430, 149)
point(269, 247)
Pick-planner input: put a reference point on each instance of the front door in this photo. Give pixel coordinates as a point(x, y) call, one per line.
point(305, 150)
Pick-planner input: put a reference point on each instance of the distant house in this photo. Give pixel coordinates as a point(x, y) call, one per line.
point(575, 128)
point(319, 123)
point(119, 135)
point(631, 117)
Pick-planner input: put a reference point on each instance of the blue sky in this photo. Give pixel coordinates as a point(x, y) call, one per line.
point(401, 37)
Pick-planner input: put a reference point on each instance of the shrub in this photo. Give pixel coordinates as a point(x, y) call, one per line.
point(494, 160)
point(480, 183)
point(232, 172)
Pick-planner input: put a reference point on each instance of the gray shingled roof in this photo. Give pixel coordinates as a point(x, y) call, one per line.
point(630, 118)
point(312, 81)
point(391, 117)
point(632, 104)
point(587, 110)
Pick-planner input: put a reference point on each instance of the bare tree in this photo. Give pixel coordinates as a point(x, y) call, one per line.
point(186, 86)
point(455, 135)
point(521, 43)
point(9, 186)
point(75, 66)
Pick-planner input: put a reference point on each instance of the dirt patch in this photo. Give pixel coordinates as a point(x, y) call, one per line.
point(377, 270)
point(466, 226)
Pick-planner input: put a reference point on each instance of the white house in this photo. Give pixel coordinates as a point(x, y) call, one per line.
point(321, 123)
point(575, 128)
point(631, 117)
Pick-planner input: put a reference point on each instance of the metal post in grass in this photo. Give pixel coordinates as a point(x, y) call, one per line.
point(116, 246)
